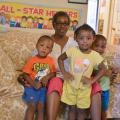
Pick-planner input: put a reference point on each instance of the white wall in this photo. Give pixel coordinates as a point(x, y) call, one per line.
point(104, 14)
point(92, 16)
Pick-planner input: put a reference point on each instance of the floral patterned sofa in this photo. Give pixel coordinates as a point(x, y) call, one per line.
point(16, 46)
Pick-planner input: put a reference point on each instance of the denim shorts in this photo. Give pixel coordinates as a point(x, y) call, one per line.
point(32, 95)
point(105, 100)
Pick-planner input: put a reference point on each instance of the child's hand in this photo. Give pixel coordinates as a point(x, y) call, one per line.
point(68, 76)
point(21, 80)
point(86, 80)
point(109, 73)
point(44, 81)
point(37, 85)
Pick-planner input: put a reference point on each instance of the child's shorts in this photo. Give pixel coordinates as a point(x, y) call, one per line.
point(55, 84)
point(78, 97)
point(33, 95)
point(105, 100)
point(95, 88)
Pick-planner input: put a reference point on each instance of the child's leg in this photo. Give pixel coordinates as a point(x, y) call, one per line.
point(40, 110)
point(41, 103)
point(82, 114)
point(30, 98)
point(104, 116)
point(29, 115)
point(72, 112)
point(105, 102)
point(96, 106)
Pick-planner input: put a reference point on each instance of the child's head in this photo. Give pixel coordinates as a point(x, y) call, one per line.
point(40, 20)
point(24, 18)
point(84, 35)
point(99, 45)
point(44, 45)
point(74, 22)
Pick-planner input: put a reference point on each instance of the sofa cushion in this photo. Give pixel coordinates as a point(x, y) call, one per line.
point(18, 45)
point(11, 104)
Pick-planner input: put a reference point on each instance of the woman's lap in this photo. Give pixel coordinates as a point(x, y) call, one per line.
point(55, 84)
point(95, 88)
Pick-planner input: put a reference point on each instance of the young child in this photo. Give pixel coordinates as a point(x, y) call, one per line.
point(99, 46)
point(37, 72)
point(77, 83)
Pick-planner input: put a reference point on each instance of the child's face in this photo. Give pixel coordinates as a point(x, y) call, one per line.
point(40, 21)
point(29, 20)
point(75, 23)
point(44, 47)
point(18, 19)
point(85, 40)
point(45, 22)
point(100, 46)
point(24, 19)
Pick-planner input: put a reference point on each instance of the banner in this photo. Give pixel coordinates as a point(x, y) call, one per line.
point(27, 16)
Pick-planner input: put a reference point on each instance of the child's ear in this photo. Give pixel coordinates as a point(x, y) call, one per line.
point(94, 37)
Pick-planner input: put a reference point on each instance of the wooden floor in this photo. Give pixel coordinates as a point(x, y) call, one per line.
point(109, 119)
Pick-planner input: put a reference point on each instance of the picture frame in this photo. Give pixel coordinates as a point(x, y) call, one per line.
point(78, 1)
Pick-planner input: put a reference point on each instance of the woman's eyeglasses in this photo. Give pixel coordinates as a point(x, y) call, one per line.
point(62, 23)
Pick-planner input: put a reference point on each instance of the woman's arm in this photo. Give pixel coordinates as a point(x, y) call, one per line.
point(61, 59)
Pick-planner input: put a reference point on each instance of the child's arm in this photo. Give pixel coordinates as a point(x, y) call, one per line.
point(102, 72)
point(46, 78)
point(109, 73)
point(31, 82)
point(67, 75)
point(96, 77)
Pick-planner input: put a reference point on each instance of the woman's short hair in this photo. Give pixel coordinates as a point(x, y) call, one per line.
point(59, 14)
